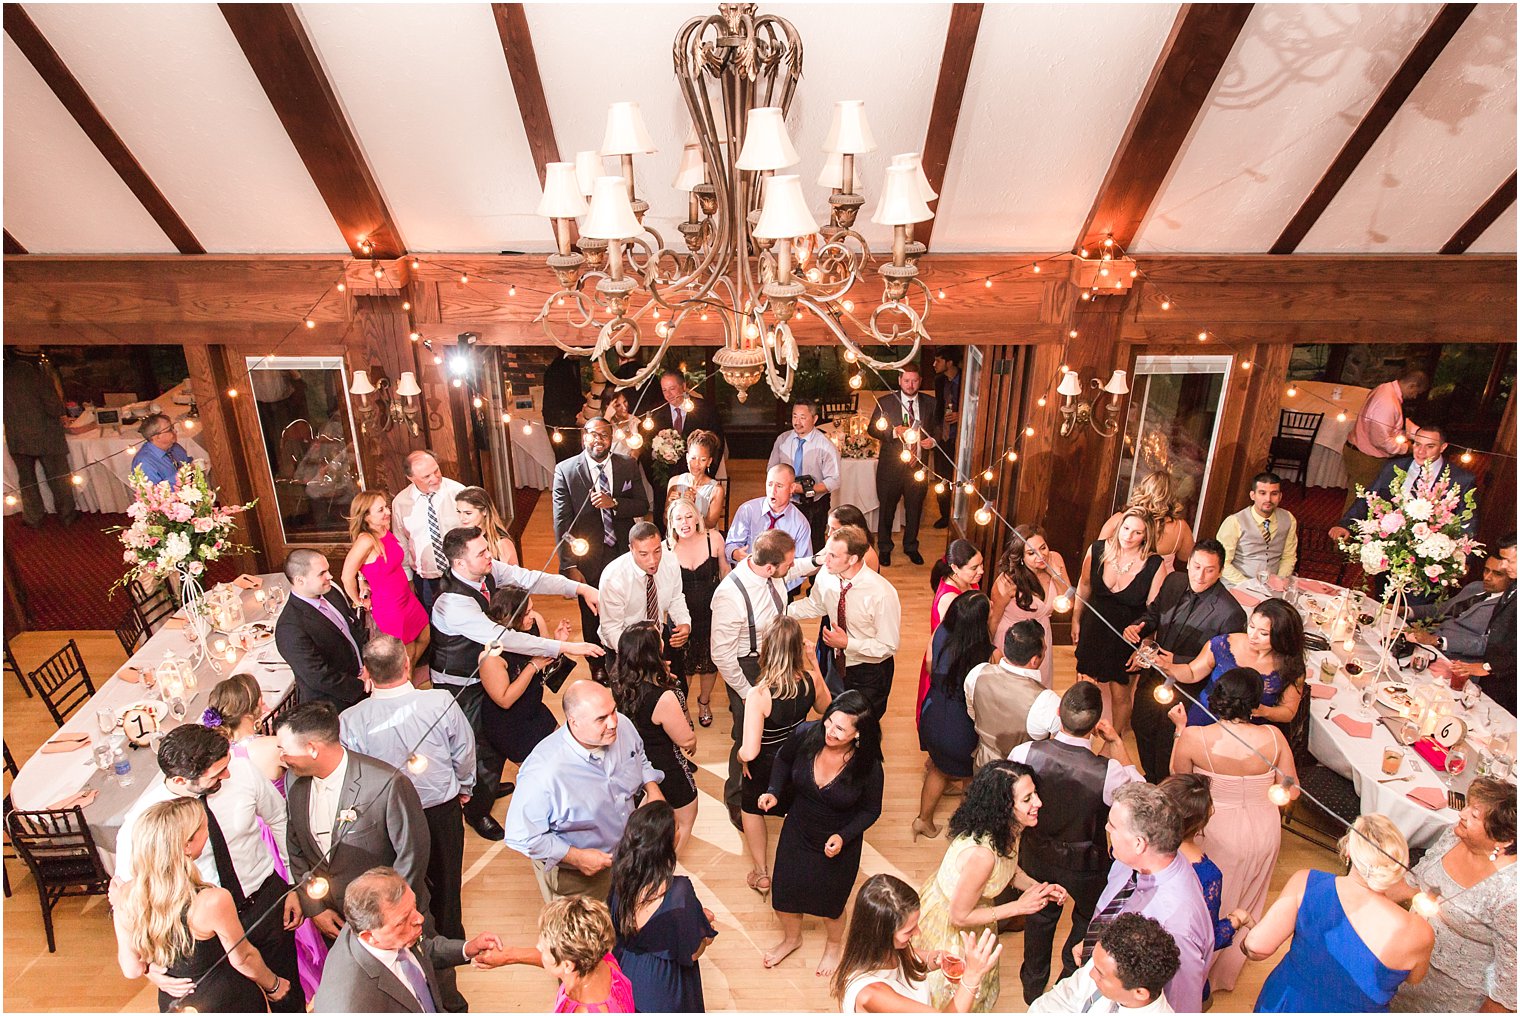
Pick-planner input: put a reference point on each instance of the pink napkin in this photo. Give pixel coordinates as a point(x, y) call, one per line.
point(1321, 691)
point(131, 675)
point(1316, 586)
point(82, 798)
point(1354, 728)
point(176, 622)
point(65, 743)
point(248, 582)
point(1245, 598)
point(1430, 797)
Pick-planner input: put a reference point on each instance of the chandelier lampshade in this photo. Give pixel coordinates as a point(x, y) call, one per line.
point(916, 161)
point(692, 172)
point(407, 386)
point(766, 142)
point(785, 212)
point(588, 166)
point(901, 204)
point(832, 175)
point(562, 193)
point(1118, 384)
point(849, 133)
point(361, 384)
point(611, 216)
point(626, 134)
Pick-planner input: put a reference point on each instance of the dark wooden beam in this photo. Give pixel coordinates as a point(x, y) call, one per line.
point(1194, 53)
point(954, 65)
point(12, 245)
point(522, 64)
point(45, 59)
point(1378, 116)
point(286, 64)
point(1496, 205)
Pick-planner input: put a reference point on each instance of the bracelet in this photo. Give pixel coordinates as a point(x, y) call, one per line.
point(272, 988)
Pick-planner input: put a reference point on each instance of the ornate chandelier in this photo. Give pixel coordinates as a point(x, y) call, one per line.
point(755, 256)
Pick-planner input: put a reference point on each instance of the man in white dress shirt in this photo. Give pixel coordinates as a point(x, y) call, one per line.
point(421, 516)
point(642, 585)
point(1008, 700)
point(865, 618)
point(815, 465)
point(745, 602)
point(1131, 964)
point(196, 762)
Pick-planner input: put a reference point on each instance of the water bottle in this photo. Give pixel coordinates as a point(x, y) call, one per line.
point(122, 766)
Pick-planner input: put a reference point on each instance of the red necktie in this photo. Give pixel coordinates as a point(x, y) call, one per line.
point(773, 520)
point(843, 628)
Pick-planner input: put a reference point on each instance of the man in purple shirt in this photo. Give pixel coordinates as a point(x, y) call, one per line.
point(1149, 877)
point(773, 511)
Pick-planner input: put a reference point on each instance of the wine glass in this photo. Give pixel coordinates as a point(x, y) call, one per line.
point(1368, 699)
point(1472, 694)
point(1456, 762)
point(103, 753)
point(178, 709)
point(1408, 733)
point(105, 719)
point(150, 682)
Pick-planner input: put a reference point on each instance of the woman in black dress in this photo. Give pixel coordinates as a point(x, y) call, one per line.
point(173, 919)
point(513, 716)
point(1120, 576)
point(832, 770)
point(780, 701)
point(703, 565)
point(649, 695)
point(944, 726)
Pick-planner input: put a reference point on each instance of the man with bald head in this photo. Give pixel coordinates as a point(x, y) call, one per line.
point(575, 793)
point(421, 516)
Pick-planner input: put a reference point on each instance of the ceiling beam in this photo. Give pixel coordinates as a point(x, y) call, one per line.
point(12, 245)
point(1377, 118)
point(1194, 53)
point(522, 64)
point(45, 59)
point(1498, 202)
point(286, 64)
point(945, 113)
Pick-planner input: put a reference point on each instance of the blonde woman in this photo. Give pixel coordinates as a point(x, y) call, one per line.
point(788, 687)
point(1119, 577)
point(171, 918)
point(1173, 537)
point(703, 565)
point(696, 484)
point(474, 507)
point(376, 554)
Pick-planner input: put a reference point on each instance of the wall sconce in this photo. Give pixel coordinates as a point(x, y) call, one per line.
point(1074, 413)
point(384, 410)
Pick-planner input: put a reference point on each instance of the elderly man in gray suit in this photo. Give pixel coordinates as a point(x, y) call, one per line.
point(383, 960)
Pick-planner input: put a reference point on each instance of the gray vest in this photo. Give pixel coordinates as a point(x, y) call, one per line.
point(1002, 702)
point(1253, 553)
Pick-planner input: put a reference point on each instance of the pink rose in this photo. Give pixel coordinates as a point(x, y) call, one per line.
point(1391, 523)
point(1433, 572)
point(181, 513)
point(204, 524)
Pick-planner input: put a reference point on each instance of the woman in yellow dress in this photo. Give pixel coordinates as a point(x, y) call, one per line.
point(981, 861)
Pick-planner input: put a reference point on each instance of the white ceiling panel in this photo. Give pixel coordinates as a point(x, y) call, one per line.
point(1051, 90)
point(1299, 80)
point(443, 137)
point(61, 196)
point(1443, 154)
point(1498, 238)
point(172, 81)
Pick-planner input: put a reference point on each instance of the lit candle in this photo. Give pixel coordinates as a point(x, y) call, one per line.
point(258, 594)
point(220, 645)
point(231, 656)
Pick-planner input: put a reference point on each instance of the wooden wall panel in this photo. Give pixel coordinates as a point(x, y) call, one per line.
point(219, 433)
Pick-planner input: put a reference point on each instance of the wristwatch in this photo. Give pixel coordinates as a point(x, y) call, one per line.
point(1487, 669)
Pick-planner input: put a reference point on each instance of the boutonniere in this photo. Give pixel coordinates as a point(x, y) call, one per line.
point(348, 815)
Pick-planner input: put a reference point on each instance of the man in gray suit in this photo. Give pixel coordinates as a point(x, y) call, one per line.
point(1462, 622)
point(383, 960)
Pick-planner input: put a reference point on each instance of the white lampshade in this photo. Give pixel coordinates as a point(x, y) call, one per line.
point(916, 161)
point(588, 166)
point(562, 193)
point(832, 176)
point(784, 213)
point(692, 172)
point(901, 203)
point(611, 216)
point(626, 134)
point(766, 143)
point(407, 386)
point(1070, 384)
point(849, 134)
point(1118, 384)
point(361, 384)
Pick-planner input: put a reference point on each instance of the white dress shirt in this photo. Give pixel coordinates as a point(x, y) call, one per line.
point(820, 459)
point(730, 622)
point(391, 959)
point(1079, 993)
point(409, 521)
point(1044, 716)
point(323, 814)
point(460, 614)
point(1117, 776)
point(1423, 476)
point(622, 599)
point(872, 615)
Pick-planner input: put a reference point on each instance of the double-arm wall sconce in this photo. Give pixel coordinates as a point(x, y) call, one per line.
point(382, 409)
point(1074, 412)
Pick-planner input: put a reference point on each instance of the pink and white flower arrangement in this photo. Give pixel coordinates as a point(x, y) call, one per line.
point(1419, 539)
point(669, 447)
point(175, 527)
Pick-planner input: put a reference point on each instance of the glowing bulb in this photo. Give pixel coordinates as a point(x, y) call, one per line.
point(848, 306)
point(1086, 295)
point(1108, 241)
point(561, 302)
point(1166, 305)
point(910, 436)
point(635, 440)
point(987, 282)
point(527, 429)
point(814, 275)
point(1165, 693)
point(1427, 905)
point(1340, 417)
point(941, 294)
point(464, 279)
point(750, 331)
point(1398, 439)
point(881, 423)
point(919, 475)
point(851, 355)
point(418, 763)
point(704, 313)
point(907, 455)
point(437, 360)
point(983, 516)
point(1082, 253)
point(1134, 273)
point(1245, 365)
point(405, 304)
point(1203, 336)
point(1029, 432)
point(939, 488)
point(512, 291)
point(1062, 603)
point(317, 887)
point(969, 488)
point(416, 264)
point(189, 424)
point(557, 437)
point(1349, 645)
point(416, 336)
point(1292, 391)
point(988, 476)
point(232, 393)
point(580, 547)
point(687, 405)
point(1466, 457)
point(1071, 334)
point(459, 382)
point(476, 402)
point(379, 272)
point(231, 655)
point(1037, 269)
point(341, 287)
point(1012, 456)
point(855, 382)
point(648, 423)
point(1103, 272)
point(10, 500)
point(1280, 793)
point(662, 330)
point(1040, 402)
point(310, 323)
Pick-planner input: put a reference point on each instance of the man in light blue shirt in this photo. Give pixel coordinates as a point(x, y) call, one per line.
point(773, 511)
point(426, 736)
point(812, 456)
point(575, 793)
point(161, 454)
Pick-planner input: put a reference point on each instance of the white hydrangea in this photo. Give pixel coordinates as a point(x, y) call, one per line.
point(1374, 557)
point(1436, 547)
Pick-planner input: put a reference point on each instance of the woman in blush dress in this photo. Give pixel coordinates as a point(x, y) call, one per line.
point(955, 573)
point(1173, 535)
point(474, 507)
point(376, 554)
point(1031, 585)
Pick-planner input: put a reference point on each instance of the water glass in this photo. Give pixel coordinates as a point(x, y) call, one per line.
point(1147, 651)
point(1262, 576)
point(105, 719)
point(178, 709)
point(103, 753)
point(1472, 694)
point(1368, 699)
point(1408, 734)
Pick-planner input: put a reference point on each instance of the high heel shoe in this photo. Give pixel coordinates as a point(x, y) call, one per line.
point(704, 711)
point(925, 829)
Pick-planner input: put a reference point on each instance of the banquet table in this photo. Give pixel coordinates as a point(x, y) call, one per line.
point(857, 486)
point(46, 779)
point(1326, 466)
point(532, 452)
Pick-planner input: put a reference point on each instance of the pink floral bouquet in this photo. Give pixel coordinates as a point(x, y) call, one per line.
point(176, 528)
point(1419, 539)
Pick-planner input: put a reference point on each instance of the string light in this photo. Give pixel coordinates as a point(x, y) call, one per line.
point(855, 382)
point(1340, 417)
point(1245, 365)
point(310, 323)
point(341, 287)
point(10, 500)
point(987, 282)
point(1071, 334)
point(1040, 401)
point(1166, 693)
point(1203, 336)
point(1281, 793)
point(459, 382)
point(317, 887)
point(556, 437)
point(907, 455)
point(1037, 269)
point(1166, 305)
point(939, 488)
point(635, 440)
point(1466, 457)
point(1062, 603)
point(1029, 431)
point(1427, 905)
point(849, 305)
point(379, 272)
point(648, 423)
point(969, 488)
point(476, 402)
point(506, 418)
point(527, 428)
point(988, 475)
point(910, 436)
point(464, 280)
point(580, 546)
point(406, 305)
point(983, 516)
point(512, 291)
point(416, 336)
point(851, 356)
point(919, 475)
point(1012, 456)
point(232, 393)
point(437, 360)
point(941, 294)
point(1292, 391)
point(881, 421)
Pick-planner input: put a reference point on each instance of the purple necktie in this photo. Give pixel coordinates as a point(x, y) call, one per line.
point(330, 612)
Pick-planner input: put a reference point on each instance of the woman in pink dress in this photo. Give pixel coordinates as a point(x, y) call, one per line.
point(376, 554)
point(959, 571)
point(1173, 536)
point(1030, 586)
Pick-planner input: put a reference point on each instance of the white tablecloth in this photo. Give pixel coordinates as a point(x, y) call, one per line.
point(1326, 467)
point(45, 779)
point(532, 454)
point(857, 486)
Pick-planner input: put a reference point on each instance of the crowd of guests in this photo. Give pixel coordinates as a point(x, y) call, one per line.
point(325, 863)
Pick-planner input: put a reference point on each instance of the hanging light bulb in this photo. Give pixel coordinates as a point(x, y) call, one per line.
point(1166, 693)
point(941, 294)
point(556, 437)
point(1203, 336)
point(417, 763)
point(906, 455)
point(988, 475)
point(406, 305)
point(983, 516)
point(464, 279)
point(232, 393)
point(459, 382)
point(1012, 456)
point(1071, 334)
point(1466, 457)
point(1245, 365)
point(1427, 905)
point(855, 382)
point(635, 440)
point(987, 282)
point(1029, 432)
point(939, 488)
point(10, 500)
point(881, 423)
point(310, 323)
point(919, 475)
point(1340, 417)
point(1037, 269)
point(848, 305)
point(687, 405)
point(512, 291)
point(910, 436)
point(1166, 305)
point(416, 264)
point(648, 423)
point(662, 330)
point(580, 546)
point(1292, 391)
point(969, 488)
point(506, 417)
point(379, 272)
point(77, 480)
point(341, 287)
point(476, 402)
point(317, 887)
point(1062, 603)
point(416, 336)
point(851, 356)
point(1281, 793)
point(527, 429)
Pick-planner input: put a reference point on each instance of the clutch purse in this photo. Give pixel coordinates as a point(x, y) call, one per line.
point(556, 672)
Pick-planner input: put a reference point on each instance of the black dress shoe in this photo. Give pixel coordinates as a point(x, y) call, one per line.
point(942, 524)
point(505, 789)
point(488, 828)
point(886, 558)
point(915, 557)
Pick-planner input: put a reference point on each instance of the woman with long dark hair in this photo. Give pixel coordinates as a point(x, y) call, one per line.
point(513, 717)
point(1272, 645)
point(957, 572)
point(1031, 584)
point(945, 728)
point(832, 770)
point(662, 928)
point(648, 694)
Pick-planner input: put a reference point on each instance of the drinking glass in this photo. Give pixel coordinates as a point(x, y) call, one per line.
point(178, 709)
point(103, 753)
point(105, 718)
point(1408, 734)
point(1262, 575)
point(953, 967)
point(1368, 698)
point(1471, 696)
point(1456, 761)
point(150, 682)
point(1146, 654)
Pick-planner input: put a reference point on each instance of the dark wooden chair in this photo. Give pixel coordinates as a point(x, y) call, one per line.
point(59, 850)
point(835, 409)
point(153, 608)
point(1319, 557)
point(15, 668)
point(1294, 443)
point(272, 718)
point(7, 854)
point(131, 631)
point(63, 682)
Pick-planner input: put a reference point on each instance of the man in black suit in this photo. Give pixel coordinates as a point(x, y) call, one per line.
point(598, 496)
point(564, 399)
point(1191, 608)
point(681, 411)
point(1496, 671)
point(896, 416)
point(947, 389)
point(319, 633)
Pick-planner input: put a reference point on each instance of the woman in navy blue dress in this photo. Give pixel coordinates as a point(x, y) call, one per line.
point(945, 728)
point(662, 928)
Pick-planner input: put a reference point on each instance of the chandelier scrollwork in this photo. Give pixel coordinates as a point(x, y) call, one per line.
point(754, 255)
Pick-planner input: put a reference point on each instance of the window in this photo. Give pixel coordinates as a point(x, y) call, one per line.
point(1171, 425)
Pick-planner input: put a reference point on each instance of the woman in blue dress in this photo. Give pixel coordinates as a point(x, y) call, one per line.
point(1272, 645)
point(1352, 945)
point(662, 928)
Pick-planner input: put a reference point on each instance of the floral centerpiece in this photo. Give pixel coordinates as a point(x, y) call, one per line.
point(177, 529)
point(858, 446)
point(667, 454)
point(1419, 539)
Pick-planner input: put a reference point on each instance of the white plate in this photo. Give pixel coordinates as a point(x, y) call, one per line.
point(256, 633)
point(1387, 692)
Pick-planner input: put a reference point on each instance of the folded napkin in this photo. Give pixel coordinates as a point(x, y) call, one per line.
point(65, 743)
point(82, 799)
point(248, 581)
point(131, 675)
point(1316, 586)
point(1432, 753)
point(1321, 691)
point(1431, 797)
point(176, 622)
point(1354, 728)
point(1245, 597)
